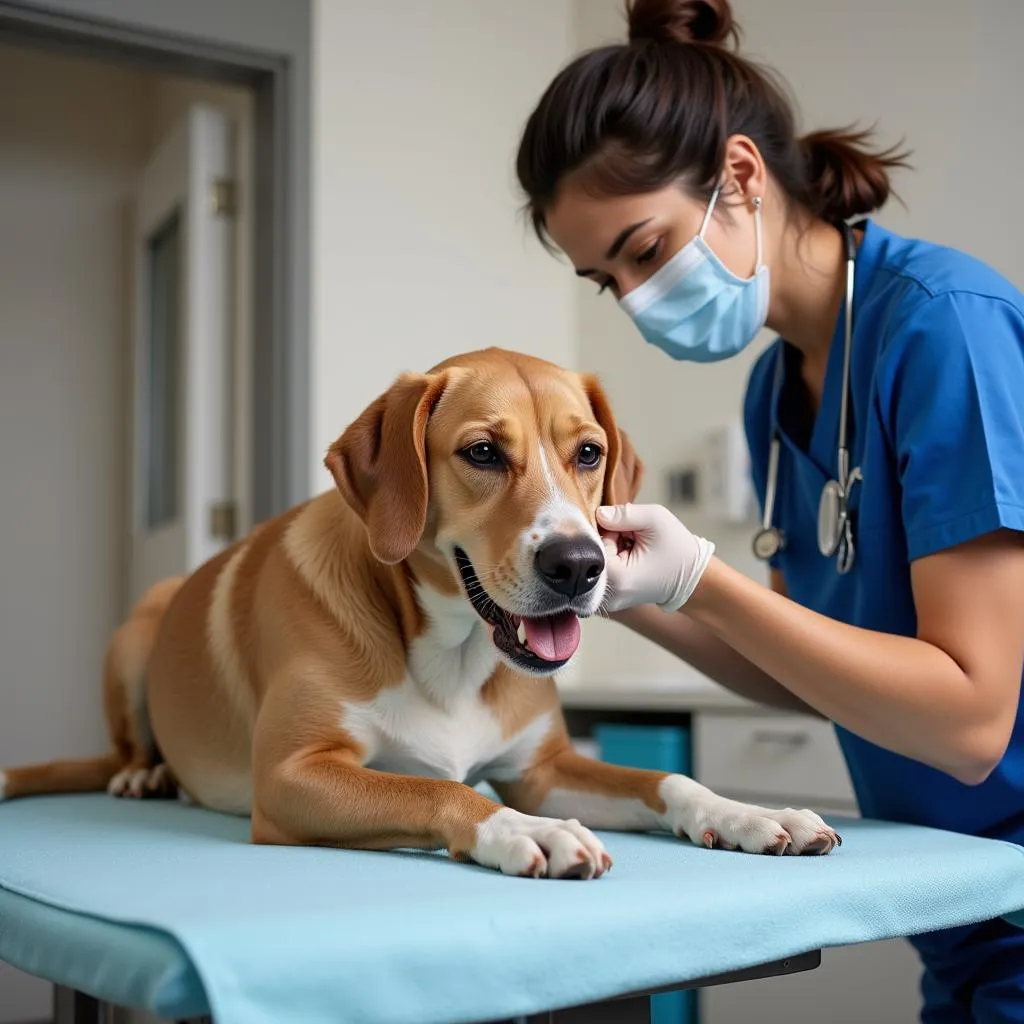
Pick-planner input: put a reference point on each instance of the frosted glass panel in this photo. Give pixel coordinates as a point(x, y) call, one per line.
point(163, 376)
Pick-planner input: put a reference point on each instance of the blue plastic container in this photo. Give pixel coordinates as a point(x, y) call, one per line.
point(664, 748)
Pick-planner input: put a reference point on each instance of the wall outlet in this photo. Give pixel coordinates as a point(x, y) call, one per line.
point(681, 486)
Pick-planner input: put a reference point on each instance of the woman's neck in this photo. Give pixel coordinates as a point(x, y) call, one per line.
point(808, 287)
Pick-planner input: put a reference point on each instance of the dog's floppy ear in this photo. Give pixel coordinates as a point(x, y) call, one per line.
point(627, 477)
point(380, 464)
point(624, 470)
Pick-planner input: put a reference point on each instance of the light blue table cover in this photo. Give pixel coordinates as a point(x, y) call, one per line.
point(167, 907)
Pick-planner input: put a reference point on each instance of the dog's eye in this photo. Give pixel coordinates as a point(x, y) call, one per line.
point(483, 454)
point(588, 456)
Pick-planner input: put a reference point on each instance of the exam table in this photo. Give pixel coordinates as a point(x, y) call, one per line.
point(167, 907)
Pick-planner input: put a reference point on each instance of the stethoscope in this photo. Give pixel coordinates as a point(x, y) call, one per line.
point(835, 524)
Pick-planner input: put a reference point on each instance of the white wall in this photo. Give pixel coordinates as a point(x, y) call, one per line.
point(71, 136)
point(418, 249)
point(949, 88)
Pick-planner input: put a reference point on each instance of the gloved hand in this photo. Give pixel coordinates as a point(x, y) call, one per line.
point(651, 557)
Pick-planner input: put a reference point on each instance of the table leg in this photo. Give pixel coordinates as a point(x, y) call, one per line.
point(632, 1010)
point(71, 1007)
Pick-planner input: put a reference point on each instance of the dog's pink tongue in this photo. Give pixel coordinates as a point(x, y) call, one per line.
point(555, 638)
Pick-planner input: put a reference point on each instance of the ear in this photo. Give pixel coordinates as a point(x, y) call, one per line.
point(380, 465)
point(624, 471)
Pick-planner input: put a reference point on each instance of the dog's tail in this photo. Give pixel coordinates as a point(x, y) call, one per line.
point(90, 775)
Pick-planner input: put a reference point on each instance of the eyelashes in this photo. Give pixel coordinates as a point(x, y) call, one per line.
point(650, 253)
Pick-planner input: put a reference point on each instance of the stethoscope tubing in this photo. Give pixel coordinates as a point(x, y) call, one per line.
point(835, 526)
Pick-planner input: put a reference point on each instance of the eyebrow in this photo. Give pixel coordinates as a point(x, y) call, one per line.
point(616, 247)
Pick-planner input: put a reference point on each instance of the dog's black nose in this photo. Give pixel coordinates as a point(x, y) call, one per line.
point(570, 566)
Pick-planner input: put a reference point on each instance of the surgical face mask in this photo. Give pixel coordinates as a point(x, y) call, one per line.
point(696, 309)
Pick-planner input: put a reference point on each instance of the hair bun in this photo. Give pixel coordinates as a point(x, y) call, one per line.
point(680, 21)
point(848, 177)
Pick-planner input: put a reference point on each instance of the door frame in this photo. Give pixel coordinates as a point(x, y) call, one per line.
point(264, 45)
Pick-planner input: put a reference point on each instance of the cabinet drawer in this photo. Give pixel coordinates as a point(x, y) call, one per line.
point(788, 758)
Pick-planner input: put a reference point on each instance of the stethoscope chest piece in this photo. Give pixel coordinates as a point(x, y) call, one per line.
point(831, 518)
point(835, 524)
point(768, 542)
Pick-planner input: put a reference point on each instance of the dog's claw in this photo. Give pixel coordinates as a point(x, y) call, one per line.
point(581, 869)
point(535, 869)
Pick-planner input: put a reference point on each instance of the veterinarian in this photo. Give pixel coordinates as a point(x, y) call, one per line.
point(885, 426)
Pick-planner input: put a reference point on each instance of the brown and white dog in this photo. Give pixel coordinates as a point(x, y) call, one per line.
point(347, 672)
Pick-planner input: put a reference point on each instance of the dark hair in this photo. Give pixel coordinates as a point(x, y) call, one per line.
point(660, 108)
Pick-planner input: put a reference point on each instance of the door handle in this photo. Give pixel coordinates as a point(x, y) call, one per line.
point(793, 739)
point(224, 521)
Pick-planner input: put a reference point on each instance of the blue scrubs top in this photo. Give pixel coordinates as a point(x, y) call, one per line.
point(937, 427)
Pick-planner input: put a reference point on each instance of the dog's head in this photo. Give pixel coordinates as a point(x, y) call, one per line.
point(495, 463)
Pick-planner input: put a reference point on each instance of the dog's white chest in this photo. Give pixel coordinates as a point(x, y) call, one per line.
point(436, 723)
point(404, 732)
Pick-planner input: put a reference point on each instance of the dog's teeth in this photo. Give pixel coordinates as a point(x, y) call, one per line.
point(521, 633)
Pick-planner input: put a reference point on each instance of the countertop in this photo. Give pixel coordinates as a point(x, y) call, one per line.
point(691, 692)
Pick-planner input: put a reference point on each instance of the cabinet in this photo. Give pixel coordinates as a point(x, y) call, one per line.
point(775, 760)
point(786, 761)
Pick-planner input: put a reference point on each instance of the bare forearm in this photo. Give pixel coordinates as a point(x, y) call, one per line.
point(901, 693)
point(700, 647)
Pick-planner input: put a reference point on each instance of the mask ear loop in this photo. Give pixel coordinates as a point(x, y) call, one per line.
point(709, 211)
point(756, 200)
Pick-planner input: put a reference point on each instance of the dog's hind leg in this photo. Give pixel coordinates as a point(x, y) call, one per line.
point(142, 771)
point(133, 767)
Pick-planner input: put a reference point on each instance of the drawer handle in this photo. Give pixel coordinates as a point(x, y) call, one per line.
point(793, 740)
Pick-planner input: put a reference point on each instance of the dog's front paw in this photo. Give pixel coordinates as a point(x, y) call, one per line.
point(808, 832)
point(759, 830)
point(714, 821)
point(520, 844)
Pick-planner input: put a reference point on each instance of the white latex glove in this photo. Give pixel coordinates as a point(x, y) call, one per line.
point(651, 557)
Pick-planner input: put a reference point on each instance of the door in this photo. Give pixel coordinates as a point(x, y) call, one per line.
point(182, 506)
